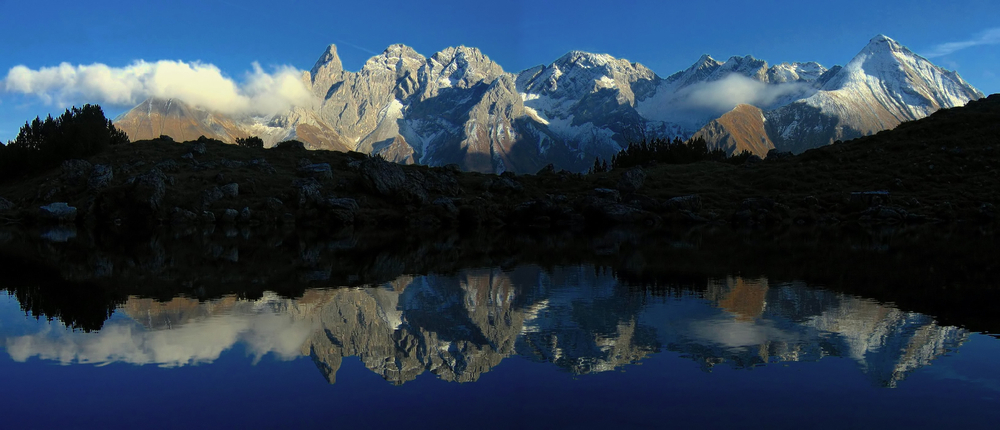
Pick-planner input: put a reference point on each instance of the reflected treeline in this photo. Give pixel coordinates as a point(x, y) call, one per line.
point(950, 274)
point(459, 326)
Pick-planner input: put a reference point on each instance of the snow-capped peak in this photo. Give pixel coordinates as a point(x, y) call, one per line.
point(392, 57)
point(459, 67)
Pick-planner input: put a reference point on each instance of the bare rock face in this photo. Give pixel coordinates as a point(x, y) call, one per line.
point(460, 107)
point(175, 118)
point(741, 129)
point(389, 180)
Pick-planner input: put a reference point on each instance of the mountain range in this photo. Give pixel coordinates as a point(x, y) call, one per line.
point(460, 326)
point(459, 107)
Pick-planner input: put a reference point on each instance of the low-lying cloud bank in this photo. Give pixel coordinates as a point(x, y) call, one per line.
point(202, 85)
point(694, 105)
point(724, 94)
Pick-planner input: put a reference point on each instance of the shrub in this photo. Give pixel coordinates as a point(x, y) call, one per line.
point(665, 151)
point(251, 142)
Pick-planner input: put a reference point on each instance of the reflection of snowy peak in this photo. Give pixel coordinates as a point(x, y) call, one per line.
point(462, 325)
point(458, 106)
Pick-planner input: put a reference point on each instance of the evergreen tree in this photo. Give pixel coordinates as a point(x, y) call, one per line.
point(77, 133)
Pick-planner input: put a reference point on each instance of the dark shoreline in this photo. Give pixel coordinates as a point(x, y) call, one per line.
point(947, 273)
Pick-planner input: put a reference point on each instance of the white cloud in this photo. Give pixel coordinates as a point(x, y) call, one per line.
point(199, 341)
point(202, 85)
point(988, 37)
point(724, 94)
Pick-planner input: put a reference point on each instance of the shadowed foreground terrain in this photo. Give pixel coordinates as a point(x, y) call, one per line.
point(940, 169)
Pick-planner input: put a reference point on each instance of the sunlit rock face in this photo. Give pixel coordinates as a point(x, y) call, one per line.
point(459, 326)
point(459, 106)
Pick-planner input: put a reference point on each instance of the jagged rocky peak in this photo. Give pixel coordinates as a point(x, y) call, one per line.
point(395, 58)
point(604, 63)
point(795, 72)
point(747, 66)
point(461, 67)
point(327, 64)
point(885, 42)
point(584, 59)
point(705, 61)
point(578, 73)
point(889, 68)
point(698, 72)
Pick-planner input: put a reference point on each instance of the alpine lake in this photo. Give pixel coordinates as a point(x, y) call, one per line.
point(702, 328)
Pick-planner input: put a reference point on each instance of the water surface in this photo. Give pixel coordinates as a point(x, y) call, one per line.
point(523, 346)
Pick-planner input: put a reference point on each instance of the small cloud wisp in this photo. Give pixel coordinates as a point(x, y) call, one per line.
point(988, 37)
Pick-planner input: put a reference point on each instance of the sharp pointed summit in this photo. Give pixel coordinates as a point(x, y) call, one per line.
point(459, 106)
point(329, 62)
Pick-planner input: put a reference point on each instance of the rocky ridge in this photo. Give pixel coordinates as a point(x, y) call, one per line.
point(459, 107)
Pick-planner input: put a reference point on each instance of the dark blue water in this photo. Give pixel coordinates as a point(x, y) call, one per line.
point(570, 347)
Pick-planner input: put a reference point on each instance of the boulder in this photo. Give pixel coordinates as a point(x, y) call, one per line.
point(447, 205)
point(775, 154)
point(318, 171)
point(439, 182)
point(759, 211)
point(136, 202)
point(245, 214)
point(307, 191)
point(262, 165)
point(623, 214)
point(503, 185)
point(549, 169)
point(168, 166)
point(867, 199)
point(5, 205)
point(149, 188)
point(607, 194)
point(210, 196)
point(179, 216)
point(884, 215)
point(100, 177)
point(198, 148)
point(988, 211)
point(274, 204)
point(232, 164)
point(631, 180)
point(230, 190)
point(229, 215)
point(59, 233)
point(290, 145)
point(342, 210)
point(76, 171)
point(58, 212)
point(382, 177)
point(389, 180)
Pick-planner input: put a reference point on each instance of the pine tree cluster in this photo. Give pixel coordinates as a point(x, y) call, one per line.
point(77, 133)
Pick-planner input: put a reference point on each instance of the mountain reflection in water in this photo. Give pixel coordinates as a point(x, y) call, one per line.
point(580, 318)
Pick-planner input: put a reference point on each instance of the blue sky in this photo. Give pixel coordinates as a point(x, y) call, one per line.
point(666, 36)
